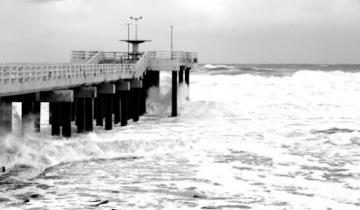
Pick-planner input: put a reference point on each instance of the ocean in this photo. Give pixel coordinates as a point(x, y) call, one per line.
point(250, 137)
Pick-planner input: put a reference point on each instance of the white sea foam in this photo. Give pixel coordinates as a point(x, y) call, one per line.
point(241, 141)
point(212, 66)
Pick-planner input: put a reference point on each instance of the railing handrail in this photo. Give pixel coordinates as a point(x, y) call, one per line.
point(185, 57)
point(97, 58)
point(17, 78)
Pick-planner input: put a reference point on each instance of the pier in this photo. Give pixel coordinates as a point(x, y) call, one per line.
point(96, 87)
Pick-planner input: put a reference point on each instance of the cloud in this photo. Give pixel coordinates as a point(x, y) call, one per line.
point(45, 1)
point(247, 30)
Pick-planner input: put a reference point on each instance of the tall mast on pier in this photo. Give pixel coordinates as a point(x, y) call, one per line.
point(135, 54)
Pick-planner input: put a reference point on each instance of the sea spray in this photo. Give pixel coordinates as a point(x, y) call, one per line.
point(28, 155)
point(159, 99)
point(247, 140)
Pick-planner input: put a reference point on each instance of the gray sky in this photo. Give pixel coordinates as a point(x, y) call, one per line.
point(221, 31)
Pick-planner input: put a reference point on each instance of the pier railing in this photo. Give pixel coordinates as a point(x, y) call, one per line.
point(87, 68)
point(18, 78)
point(82, 56)
point(183, 57)
point(170, 61)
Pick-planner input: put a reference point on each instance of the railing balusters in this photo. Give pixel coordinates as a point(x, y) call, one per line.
point(84, 73)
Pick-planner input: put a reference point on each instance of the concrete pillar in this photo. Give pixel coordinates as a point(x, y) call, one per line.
point(108, 111)
point(154, 78)
point(50, 113)
point(117, 108)
point(130, 104)
point(174, 94)
point(187, 80)
point(61, 110)
point(135, 93)
point(30, 110)
point(73, 116)
point(89, 114)
point(181, 74)
point(124, 107)
point(27, 108)
point(123, 89)
point(107, 91)
point(80, 115)
point(66, 113)
point(143, 95)
point(55, 118)
point(61, 118)
point(37, 114)
point(135, 88)
point(99, 110)
point(85, 108)
point(5, 116)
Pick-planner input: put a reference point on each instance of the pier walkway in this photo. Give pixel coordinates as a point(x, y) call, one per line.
point(95, 85)
point(87, 68)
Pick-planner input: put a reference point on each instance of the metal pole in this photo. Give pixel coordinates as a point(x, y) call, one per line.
point(128, 47)
point(128, 41)
point(136, 30)
point(171, 39)
point(136, 20)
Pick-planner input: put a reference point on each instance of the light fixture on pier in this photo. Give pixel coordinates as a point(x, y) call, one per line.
point(136, 20)
point(135, 54)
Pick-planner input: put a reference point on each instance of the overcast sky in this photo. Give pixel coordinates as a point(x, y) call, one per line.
point(221, 31)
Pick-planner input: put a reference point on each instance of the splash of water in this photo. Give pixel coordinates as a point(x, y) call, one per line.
point(27, 155)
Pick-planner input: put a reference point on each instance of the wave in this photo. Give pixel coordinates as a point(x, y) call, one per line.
point(277, 70)
point(26, 157)
point(308, 93)
point(216, 67)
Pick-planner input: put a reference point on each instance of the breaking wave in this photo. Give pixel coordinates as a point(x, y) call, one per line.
point(27, 156)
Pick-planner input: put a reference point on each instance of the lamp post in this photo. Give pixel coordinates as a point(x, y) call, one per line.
point(128, 26)
point(171, 41)
point(136, 20)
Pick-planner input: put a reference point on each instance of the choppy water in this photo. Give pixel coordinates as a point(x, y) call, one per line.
point(251, 137)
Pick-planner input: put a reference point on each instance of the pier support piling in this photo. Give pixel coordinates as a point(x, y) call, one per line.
point(135, 88)
point(124, 107)
point(61, 110)
point(143, 95)
point(123, 89)
point(80, 115)
point(107, 91)
point(130, 104)
point(5, 116)
point(174, 94)
point(55, 118)
point(61, 118)
point(27, 111)
point(89, 114)
point(50, 113)
point(37, 115)
point(66, 112)
point(85, 108)
point(181, 74)
point(187, 81)
point(99, 110)
point(117, 107)
point(153, 78)
point(108, 111)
